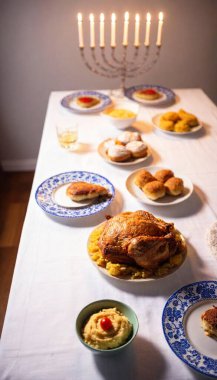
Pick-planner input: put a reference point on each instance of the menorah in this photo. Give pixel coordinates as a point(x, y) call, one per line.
point(123, 67)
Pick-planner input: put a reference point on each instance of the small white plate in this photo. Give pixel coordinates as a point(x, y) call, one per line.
point(133, 161)
point(168, 200)
point(181, 322)
point(156, 122)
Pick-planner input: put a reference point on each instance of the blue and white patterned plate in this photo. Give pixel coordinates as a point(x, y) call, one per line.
point(69, 102)
point(44, 194)
point(181, 322)
point(167, 95)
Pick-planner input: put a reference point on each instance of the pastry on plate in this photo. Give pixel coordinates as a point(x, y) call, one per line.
point(87, 101)
point(182, 126)
point(154, 190)
point(167, 125)
point(174, 186)
point(171, 116)
point(137, 148)
point(142, 178)
point(79, 191)
point(147, 94)
point(126, 137)
point(189, 118)
point(209, 321)
point(118, 153)
point(163, 175)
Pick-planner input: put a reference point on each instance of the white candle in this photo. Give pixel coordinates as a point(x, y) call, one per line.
point(160, 26)
point(148, 27)
point(126, 25)
point(113, 30)
point(92, 32)
point(137, 25)
point(102, 30)
point(80, 31)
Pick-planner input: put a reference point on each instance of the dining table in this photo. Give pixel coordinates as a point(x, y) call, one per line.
point(54, 277)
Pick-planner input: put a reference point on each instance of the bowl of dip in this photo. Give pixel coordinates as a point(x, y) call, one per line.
point(121, 114)
point(106, 326)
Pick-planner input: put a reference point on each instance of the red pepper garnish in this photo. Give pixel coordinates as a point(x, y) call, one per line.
point(106, 323)
point(86, 99)
point(149, 91)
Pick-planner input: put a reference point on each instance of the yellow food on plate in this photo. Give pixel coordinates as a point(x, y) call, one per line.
point(182, 126)
point(172, 116)
point(108, 328)
point(189, 118)
point(120, 113)
point(167, 125)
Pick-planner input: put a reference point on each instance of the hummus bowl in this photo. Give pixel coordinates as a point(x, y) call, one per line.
point(109, 340)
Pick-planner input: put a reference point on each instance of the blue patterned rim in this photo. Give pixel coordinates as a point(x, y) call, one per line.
point(105, 101)
point(170, 95)
point(173, 327)
point(44, 192)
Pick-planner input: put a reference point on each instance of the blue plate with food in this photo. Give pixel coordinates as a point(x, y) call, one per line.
point(150, 95)
point(74, 194)
point(190, 328)
point(86, 102)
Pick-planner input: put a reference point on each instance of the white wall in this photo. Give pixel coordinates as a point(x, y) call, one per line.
point(39, 53)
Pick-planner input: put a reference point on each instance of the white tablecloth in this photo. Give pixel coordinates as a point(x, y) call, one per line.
point(54, 278)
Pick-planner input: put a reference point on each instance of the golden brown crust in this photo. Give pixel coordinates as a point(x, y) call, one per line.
point(163, 175)
point(147, 94)
point(209, 321)
point(87, 101)
point(174, 186)
point(154, 190)
point(143, 177)
point(84, 190)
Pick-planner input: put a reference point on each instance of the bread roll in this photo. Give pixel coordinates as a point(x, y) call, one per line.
point(142, 178)
point(174, 186)
point(163, 175)
point(118, 153)
point(126, 137)
point(137, 148)
point(154, 190)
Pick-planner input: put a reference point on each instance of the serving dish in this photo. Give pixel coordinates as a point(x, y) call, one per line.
point(133, 273)
point(95, 307)
point(132, 161)
point(51, 200)
point(156, 123)
point(182, 329)
point(167, 95)
point(69, 102)
point(168, 200)
point(118, 121)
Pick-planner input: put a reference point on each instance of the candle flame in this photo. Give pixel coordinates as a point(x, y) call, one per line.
point(126, 16)
point(102, 17)
point(91, 17)
point(148, 17)
point(161, 16)
point(137, 17)
point(113, 17)
point(79, 16)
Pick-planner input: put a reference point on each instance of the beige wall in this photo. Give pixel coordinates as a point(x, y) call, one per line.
point(39, 53)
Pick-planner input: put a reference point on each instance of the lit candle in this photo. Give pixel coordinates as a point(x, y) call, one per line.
point(80, 31)
point(92, 33)
point(160, 26)
point(126, 25)
point(113, 30)
point(148, 27)
point(137, 24)
point(102, 30)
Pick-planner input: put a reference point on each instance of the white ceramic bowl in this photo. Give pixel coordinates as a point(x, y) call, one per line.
point(122, 123)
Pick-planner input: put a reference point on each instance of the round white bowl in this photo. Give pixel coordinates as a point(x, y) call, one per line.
point(121, 123)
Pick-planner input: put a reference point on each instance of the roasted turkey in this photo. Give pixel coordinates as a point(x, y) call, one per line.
point(138, 238)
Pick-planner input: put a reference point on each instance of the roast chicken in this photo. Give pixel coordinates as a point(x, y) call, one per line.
point(138, 238)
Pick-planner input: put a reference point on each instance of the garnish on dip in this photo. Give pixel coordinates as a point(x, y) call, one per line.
point(106, 323)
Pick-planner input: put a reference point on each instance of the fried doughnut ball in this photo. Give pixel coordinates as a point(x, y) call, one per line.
point(171, 116)
point(174, 186)
point(163, 175)
point(167, 125)
point(182, 126)
point(189, 118)
point(154, 190)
